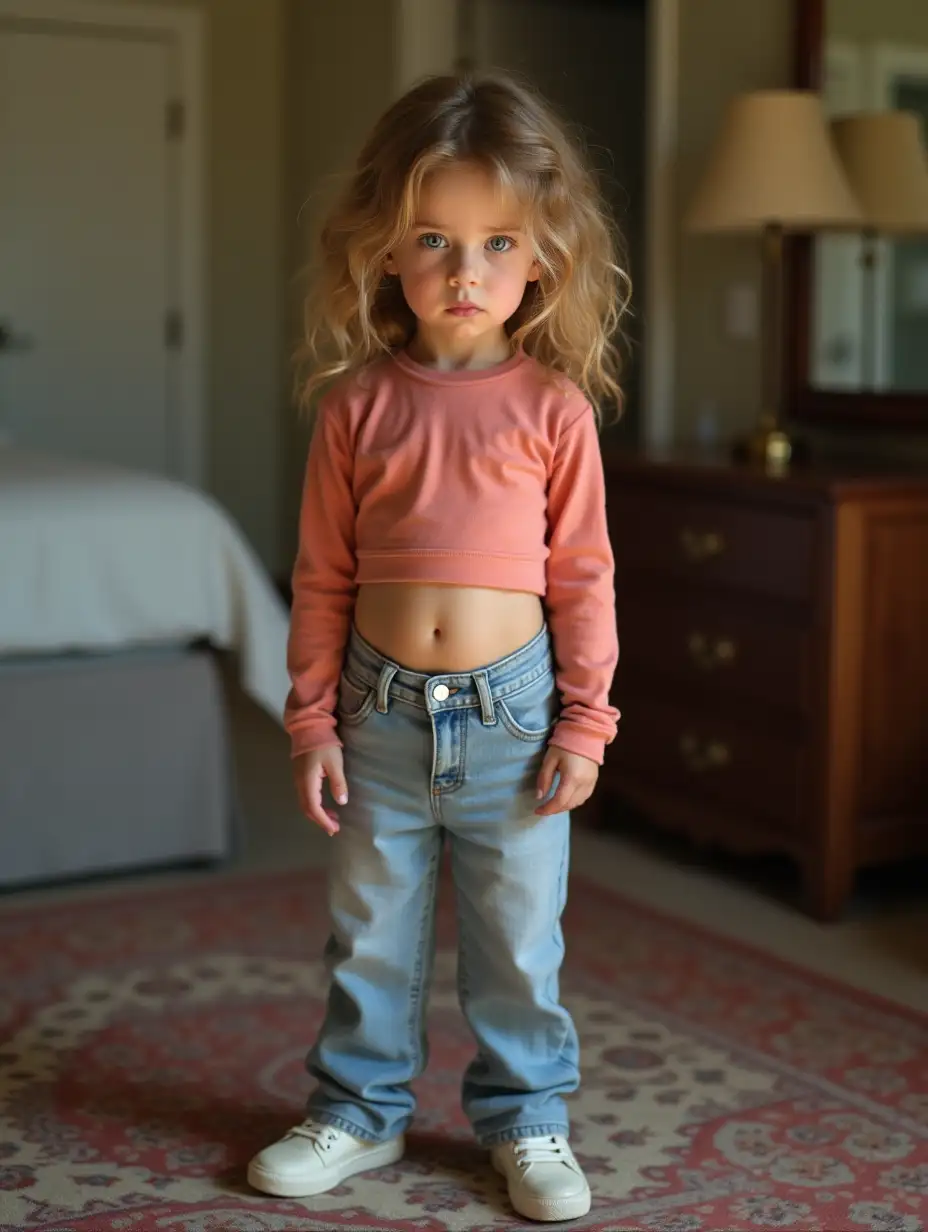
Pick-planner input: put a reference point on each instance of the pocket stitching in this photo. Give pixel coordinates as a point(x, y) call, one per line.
point(521, 733)
point(356, 717)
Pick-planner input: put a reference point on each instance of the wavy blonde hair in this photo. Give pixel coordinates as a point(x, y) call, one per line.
point(568, 319)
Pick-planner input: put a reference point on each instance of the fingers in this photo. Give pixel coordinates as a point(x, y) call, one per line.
point(313, 806)
point(338, 784)
point(313, 770)
point(572, 791)
point(546, 774)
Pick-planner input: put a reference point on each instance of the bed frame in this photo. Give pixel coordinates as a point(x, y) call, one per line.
point(113, 762)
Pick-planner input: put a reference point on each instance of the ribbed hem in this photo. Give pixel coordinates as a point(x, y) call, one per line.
point(320, 735)
point(455, 567)
point(579, 740)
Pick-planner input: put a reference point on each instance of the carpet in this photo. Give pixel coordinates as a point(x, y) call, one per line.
point(152, 1041)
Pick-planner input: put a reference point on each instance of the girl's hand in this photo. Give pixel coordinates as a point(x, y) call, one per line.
point(578, 777)
point(309, 771)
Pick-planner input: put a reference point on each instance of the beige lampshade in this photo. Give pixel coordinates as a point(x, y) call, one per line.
point(773, 163)
point(885, 162)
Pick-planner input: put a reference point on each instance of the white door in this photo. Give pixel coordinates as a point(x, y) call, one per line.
point(88, 243)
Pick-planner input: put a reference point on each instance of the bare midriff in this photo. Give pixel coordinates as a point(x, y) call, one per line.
point(445, 629)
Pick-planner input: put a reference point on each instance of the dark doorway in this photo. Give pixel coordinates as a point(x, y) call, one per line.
point(589, 57)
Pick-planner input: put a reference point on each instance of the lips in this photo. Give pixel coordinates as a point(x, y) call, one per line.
point(464, 310)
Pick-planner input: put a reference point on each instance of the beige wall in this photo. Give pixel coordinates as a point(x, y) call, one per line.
point(292, 87)
point(243, 47)
point(868, 21)
point(725, 47)
point(347, 60)
point(291, 91)
point(246, 264)
point(338, 83)
point(589, 61)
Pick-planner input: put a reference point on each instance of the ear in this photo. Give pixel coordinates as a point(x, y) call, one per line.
point(534, 272)
point(389, 266)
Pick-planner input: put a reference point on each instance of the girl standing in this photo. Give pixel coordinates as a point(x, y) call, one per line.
point(453, 634)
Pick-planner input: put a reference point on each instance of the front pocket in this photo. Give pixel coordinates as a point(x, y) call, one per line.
point(355, 701)
point(530, 713)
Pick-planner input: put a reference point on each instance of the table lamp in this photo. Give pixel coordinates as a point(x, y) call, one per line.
point(773, 169)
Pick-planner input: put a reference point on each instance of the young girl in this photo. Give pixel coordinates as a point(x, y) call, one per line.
point(453, 634)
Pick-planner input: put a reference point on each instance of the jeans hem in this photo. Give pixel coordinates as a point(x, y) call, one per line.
point(518, 1132)
point(348, 1127)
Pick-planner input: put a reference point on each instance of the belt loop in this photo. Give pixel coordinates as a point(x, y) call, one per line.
point(487, 709)
point(387, 672)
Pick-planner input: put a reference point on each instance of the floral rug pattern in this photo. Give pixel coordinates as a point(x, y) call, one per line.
point(150, 1043)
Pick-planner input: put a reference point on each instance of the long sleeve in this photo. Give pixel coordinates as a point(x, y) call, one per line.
point(324, 586)
point(580, 592)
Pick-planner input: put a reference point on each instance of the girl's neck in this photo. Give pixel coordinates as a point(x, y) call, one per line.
point(484, 352)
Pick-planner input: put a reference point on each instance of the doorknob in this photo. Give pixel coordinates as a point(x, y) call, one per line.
point(11, 341)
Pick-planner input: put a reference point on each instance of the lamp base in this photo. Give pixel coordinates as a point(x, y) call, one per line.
point(768, 446)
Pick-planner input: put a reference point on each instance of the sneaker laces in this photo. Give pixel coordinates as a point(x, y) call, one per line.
point(321, 1136)
point(530, 1151)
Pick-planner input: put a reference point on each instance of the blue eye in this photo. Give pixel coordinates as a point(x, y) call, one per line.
point(432, 240)
point(499, 243)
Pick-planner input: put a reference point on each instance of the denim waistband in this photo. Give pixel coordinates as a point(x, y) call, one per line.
point(480, 687)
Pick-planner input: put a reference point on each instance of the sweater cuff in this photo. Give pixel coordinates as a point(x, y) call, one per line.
point(319, 735)
point(576, 739)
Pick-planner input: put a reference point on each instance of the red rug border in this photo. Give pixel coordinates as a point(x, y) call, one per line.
point(123, 895)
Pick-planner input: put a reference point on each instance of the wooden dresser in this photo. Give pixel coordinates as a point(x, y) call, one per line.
point(773, 679)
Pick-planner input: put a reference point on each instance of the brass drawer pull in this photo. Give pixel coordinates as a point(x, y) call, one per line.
point(701, 545)
point(708, 654)
point(710, 755)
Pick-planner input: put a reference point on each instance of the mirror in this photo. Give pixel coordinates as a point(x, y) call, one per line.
point(861, 303)
point(870, 312)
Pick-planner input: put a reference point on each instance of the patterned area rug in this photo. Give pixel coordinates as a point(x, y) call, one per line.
point(152, 1043)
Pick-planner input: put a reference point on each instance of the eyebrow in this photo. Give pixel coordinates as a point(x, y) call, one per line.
point(436, 226)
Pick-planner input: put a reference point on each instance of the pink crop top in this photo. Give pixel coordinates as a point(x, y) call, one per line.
point(487, 478)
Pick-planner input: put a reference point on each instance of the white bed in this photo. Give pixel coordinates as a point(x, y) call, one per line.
point(113, 742)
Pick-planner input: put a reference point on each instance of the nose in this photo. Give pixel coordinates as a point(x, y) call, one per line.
point(463, 270)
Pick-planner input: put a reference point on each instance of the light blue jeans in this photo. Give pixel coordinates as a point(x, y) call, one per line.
point(426, 757)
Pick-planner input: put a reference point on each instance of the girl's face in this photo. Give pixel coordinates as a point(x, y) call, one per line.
point(465, 261)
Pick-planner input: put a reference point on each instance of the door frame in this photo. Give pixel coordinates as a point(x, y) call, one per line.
point(658, 385)
point(185, 29)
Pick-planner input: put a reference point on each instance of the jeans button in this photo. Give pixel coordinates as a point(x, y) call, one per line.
point(441, 693)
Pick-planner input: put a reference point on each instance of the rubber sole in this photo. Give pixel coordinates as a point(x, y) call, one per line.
point(550, 1210)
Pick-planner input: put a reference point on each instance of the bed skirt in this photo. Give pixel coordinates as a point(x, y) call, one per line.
point(113, 762)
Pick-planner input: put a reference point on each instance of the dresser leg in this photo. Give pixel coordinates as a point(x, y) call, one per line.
point(826, 888)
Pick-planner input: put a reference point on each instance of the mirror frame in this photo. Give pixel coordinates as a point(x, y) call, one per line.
point(805, 402)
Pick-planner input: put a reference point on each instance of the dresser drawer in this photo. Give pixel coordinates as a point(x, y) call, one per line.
point(733, 649)
point(766, 550)
point(752, 772)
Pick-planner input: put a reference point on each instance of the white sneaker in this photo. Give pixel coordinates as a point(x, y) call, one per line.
point(313, 1158)
point(545, 1181)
